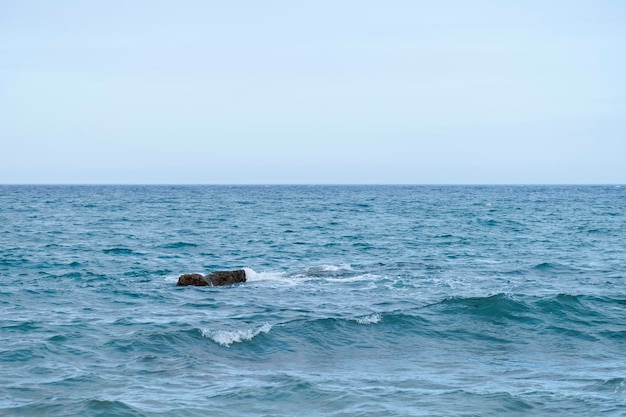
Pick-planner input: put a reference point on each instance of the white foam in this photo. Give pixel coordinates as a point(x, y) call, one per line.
point(325, 269)
point(228, 337)
point(334, 268)
point(276, 277)
point(252, 275)
point(371, 319)
point(171, 278)
point(356, 278)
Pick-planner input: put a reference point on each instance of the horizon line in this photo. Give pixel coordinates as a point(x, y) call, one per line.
point(313, 184)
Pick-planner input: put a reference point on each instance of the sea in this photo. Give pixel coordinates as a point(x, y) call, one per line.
point(360, 300)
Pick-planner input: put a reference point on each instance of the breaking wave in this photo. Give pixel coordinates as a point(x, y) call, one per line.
point(228, 337)
point(371, 319)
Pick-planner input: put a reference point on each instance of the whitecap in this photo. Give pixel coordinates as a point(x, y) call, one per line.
point(228, 337)
point(371, 319)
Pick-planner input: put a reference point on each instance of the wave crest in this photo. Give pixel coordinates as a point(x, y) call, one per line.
point(228, 337)
point(370, 319)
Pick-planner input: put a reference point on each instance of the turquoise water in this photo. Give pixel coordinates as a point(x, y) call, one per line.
point(361, 301)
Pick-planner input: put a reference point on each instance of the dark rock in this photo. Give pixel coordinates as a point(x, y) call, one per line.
point(216, 278)
point(193, 279)
point(219, 278)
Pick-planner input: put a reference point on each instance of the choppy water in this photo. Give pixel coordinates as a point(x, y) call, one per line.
point(361, 301)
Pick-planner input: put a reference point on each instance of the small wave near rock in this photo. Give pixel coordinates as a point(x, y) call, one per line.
point(252, 275)
point(328, 274)
point(228, 337)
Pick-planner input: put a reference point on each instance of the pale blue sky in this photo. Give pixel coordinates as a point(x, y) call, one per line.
point(313, 92)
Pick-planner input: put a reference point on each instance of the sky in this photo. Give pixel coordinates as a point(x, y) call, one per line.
point(307, 92)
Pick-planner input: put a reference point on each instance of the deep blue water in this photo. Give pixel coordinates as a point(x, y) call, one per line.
point(361, 301)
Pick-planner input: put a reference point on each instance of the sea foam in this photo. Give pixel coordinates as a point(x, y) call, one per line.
point(274, 277)
point(370, 319)
point(252, 275)
point(228, 337)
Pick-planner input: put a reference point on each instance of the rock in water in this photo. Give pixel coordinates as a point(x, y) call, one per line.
point(192, 279)
point(219, 278)
point(216, 278)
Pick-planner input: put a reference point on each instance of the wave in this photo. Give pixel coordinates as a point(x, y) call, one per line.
point(494, 306)
point(564, 306)
point(573, 317)
point(554, 268)
point(581, 307)
point(613, 385)
point(120, 251)
point(228, 337)
point(498, 318)
point(67, 408)
point(179, 245)
point(483, 319)
point(371, 319)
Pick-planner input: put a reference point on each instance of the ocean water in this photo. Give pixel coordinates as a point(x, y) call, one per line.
point(360, 301)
